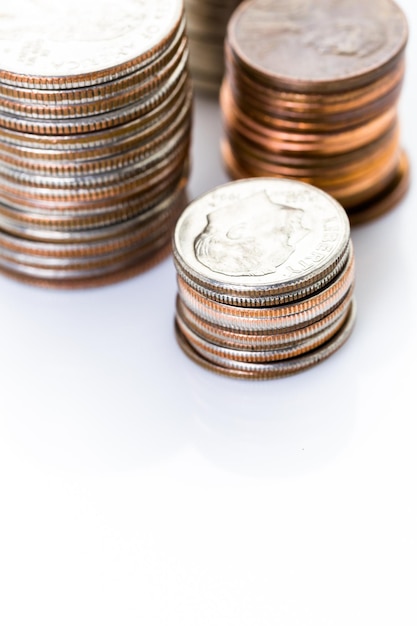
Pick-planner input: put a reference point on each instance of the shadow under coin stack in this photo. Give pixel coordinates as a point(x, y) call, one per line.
point(311, 92)
point(265, 271)
point(206, 28)
point(95, 114)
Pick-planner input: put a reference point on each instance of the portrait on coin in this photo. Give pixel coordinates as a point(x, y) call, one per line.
point(250, 237)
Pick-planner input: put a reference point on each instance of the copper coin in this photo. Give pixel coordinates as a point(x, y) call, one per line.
point(320, 45)
point(278, 369)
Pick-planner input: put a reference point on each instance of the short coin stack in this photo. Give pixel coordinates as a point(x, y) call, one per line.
point(206, 26)
point(95, 116)
point(265, 271)
point(311, 92)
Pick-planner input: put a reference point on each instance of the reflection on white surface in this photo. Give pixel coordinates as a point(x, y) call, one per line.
point(136, 487)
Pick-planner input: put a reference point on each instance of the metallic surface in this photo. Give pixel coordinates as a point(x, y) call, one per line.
point(300, 232)
point(81, 43)
point(265, 278)
point(94, 155)
point(318, 44)
point(311, 92)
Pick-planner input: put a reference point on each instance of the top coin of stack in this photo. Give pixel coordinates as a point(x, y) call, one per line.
point(206, 27)
point(265, 271)
point(311, 92)
point(95, 118)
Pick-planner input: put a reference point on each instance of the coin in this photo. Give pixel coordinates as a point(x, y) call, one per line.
point(95, 131)
point(206, 26)
point(74, 44)
point(318, 45)
point(226, 221)
point(311, 92)
point(265, 275)
point(277, 369)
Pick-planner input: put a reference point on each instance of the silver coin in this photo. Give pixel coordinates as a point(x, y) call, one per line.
point(94, 93)
point(260, 236)
point(48, 43)
point(206, 25)
point(277, 369)
point(101, 121)
point(266, 354)
point(300, 292)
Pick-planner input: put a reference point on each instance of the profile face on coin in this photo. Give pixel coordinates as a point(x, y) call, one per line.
point(318, 41)
point(260, 232)
point(250, 237)
point(48, 38)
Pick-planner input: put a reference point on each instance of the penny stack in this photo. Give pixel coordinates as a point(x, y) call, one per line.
point(266, 272)
point(207, 22)
point(95, 118)
point(311, 92)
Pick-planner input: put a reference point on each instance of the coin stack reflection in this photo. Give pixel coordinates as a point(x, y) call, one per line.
point(265, 272)
point(311, 92)
point(206, 26)
point(95, 115)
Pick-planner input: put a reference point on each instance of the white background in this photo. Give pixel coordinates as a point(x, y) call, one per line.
point(137, 488)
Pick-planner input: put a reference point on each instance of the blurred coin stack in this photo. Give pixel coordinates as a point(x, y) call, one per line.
point(95, 114)
point(311, 92)
point(206, 28)
point(265, 271)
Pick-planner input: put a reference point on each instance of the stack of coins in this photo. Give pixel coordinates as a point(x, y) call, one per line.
point(206, 26)
point(265, 271)
point(311, 92)
point(95, 116)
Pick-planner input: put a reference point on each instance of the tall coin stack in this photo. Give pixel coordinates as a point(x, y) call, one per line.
point(311, 92)
point(265, 271)
point(95, 115)
point(206, 27)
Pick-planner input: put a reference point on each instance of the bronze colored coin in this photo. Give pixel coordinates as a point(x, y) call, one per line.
point(96, 241)
point(90, 270)
point(308, 104)
point(351, 196)
point(142, 125)
point(243, 148)
point(93, 154)
point(303, 118)
point(260, 341)
point(311, 92)
point(214, 351)
point(26, 169)
point(54, 228)
point(85, 260)
point(256, 299)
point(297, 139)
point(318, 45)
point(80, 216)
point(279, 318)
point(100, 121)
point(359, 163)
point(130, 270)
point(387, 199)
point(133, 179)
point(247, 308)
point(55, 156)
point(267, 371)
